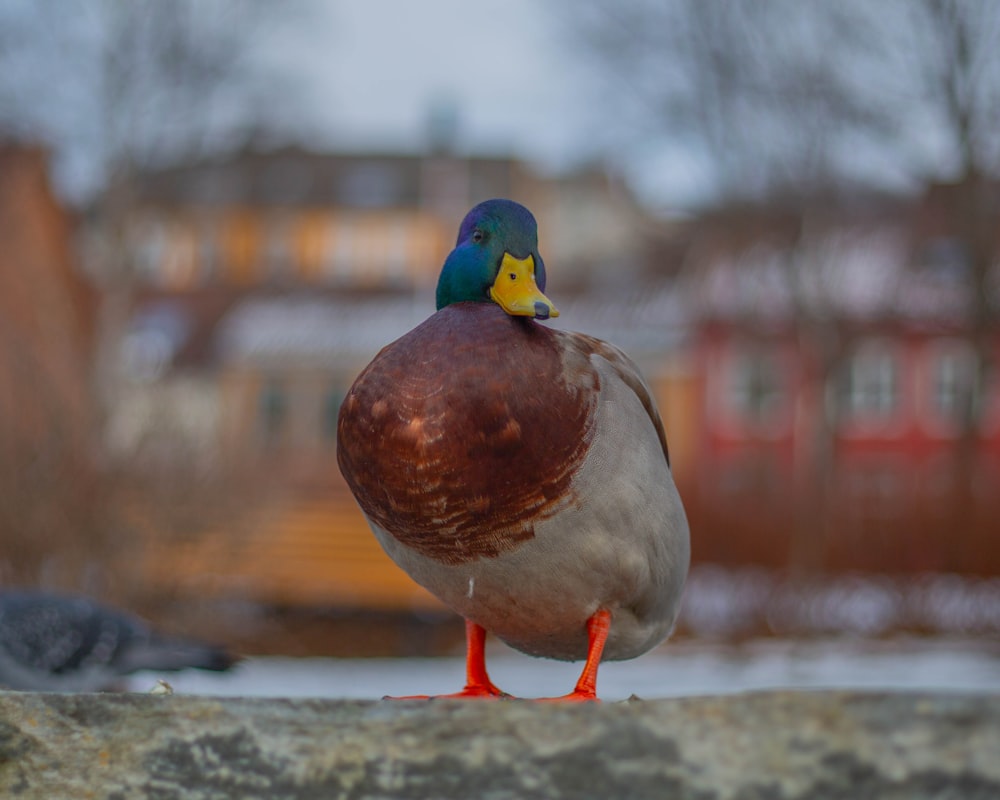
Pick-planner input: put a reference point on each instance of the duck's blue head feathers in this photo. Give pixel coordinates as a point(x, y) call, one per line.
point(490, 231)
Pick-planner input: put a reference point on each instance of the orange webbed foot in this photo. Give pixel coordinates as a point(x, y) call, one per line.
point(575, 696)
point(478, 685)
point(470, 692)
point(586, 688)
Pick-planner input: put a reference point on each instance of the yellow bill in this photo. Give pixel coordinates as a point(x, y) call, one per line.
point(516, 292)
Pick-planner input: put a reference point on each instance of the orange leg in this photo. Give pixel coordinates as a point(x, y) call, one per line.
point(477, 681)
point(586, 688)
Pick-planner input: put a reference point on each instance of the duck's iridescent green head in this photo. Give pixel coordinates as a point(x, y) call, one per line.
point(496, 260)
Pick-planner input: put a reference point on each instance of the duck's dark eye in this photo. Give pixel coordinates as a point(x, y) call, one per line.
point(477, 236)
point(513, 276)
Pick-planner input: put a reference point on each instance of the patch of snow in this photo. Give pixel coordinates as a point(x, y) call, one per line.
point(672, 670)
point(722, 602)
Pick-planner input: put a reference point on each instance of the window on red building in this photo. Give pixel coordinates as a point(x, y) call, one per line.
point(953, 380)
point(870, 384)
point(757, 393)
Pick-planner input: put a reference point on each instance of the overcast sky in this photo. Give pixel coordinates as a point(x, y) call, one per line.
point(506, 66)
point(364, 74)
point(381, 65)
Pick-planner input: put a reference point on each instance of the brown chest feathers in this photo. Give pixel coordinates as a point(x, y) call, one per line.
point(463, 433)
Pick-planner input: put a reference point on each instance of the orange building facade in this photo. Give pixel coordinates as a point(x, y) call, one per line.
point(262, 285)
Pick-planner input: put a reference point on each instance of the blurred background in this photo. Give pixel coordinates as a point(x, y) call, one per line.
point(214, 213)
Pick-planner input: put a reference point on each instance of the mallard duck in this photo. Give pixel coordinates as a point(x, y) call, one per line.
point(519, 473)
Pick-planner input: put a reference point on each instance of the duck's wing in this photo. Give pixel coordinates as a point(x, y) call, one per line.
point(587, 347)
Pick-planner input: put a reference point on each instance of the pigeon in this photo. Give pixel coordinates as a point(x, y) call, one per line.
point(64, 643)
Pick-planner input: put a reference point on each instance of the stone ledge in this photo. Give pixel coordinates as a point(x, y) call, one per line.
point(762, 745)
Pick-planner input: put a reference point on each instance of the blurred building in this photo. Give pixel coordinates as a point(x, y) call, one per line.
point(260, 286)
point(814, 368)
point(47, 502)
point(844, 421)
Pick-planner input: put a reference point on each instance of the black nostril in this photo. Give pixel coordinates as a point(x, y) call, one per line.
point(541, 310)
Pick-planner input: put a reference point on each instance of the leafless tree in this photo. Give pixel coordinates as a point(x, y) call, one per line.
point(780, 98)
point(115, 88)
point(783, 100)
point(752, 89)
point(957, 80)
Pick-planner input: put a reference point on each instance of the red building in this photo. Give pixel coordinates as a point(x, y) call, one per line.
point(849, 419)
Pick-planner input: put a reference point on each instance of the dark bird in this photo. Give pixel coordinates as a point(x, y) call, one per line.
point(61, 643)
point(519, 473)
